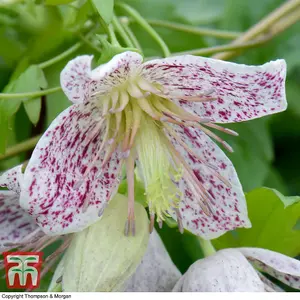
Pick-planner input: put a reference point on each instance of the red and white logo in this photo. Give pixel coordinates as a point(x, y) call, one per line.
point(22, 269)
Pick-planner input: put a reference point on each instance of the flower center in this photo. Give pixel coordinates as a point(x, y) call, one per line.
point(160, 173)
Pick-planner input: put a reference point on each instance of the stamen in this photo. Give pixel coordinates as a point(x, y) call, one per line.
point(200, 190)
point(151, 224)
point(114, 99)
point(179, 220)
point(220, 128)
point(167, 129)
point(160, 224)
point(128, 125)
point(124, 99)
point(137, 115)
point(134, 91)
point(130, 223)
point(147, 108)
point(214, 136)
point(147, 86)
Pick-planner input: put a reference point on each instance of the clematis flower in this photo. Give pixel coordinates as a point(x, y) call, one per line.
point(157, 115)
point(18, 230)
point(239, 270)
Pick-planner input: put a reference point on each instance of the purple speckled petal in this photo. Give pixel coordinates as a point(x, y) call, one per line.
point(54, 189)
point(114, 73)
point(12, 179)
point(242, 92)
point(74, 78)
point(227, 200)
point(282, 267)
point(15, 223)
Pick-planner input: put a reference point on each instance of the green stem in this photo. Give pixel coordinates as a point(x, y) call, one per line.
point(207, 247)
point(21, 147)
point(34, 94)
point(89, 43)
point(64, 54)
point(216, 49)
point(119, 28)
point(195, 30)
point(112, 36)
point(263, 26)
point(124, 22)
point(60, 57)
point(143, 23)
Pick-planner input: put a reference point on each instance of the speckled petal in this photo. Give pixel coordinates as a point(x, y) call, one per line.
point(15, 223)
point(225, 271)
point(269, 285)
point(282, 267)
point(75, 79)
point(227, 200)
point(12, 179)
point(114, 73)
point(54, 190)
point(242, 92)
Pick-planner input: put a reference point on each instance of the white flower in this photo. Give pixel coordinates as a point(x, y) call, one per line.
point(238, 270)
point(157, 114)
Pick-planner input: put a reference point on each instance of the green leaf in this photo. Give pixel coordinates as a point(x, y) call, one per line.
point(31, 80)
point(274, 220)
point(105, 9)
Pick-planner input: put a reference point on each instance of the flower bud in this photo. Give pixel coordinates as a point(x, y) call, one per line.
point(226, 271)
point(101, 257)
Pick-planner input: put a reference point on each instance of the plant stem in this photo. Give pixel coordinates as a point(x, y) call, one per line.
point(89, 43)
point(207, 247)
point(195, 30)
point(30, 94)
point(61, 56)
point(64, 54)
point(112, 36)
point(143, 23)
point(211, 50)
point(263, 25)
point(21, 147)
point(124, 22)
point(119, 28)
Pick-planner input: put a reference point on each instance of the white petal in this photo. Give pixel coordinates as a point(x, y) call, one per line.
point(15, 223)
point(242, 92)
point(225, 271)
point(120, 68)
point(12, 179)
point(56, 190)
point(282, 267)
point(227, 200)
point(75, 79)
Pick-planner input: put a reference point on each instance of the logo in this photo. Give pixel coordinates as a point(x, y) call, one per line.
point(22, 269)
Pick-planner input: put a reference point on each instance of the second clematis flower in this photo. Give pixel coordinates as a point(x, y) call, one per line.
point(157, 116)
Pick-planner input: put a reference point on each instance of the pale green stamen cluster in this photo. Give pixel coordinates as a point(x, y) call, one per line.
point(159, 173)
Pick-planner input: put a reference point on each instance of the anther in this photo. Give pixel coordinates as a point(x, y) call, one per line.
point(151, 224)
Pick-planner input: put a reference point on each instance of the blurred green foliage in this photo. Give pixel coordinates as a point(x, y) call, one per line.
point(266, 152)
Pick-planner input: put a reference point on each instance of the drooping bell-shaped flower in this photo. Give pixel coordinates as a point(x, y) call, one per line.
point(157, 115)
point(239, 270)
point(101, 258)
point(18, 230)
point(155, 273)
